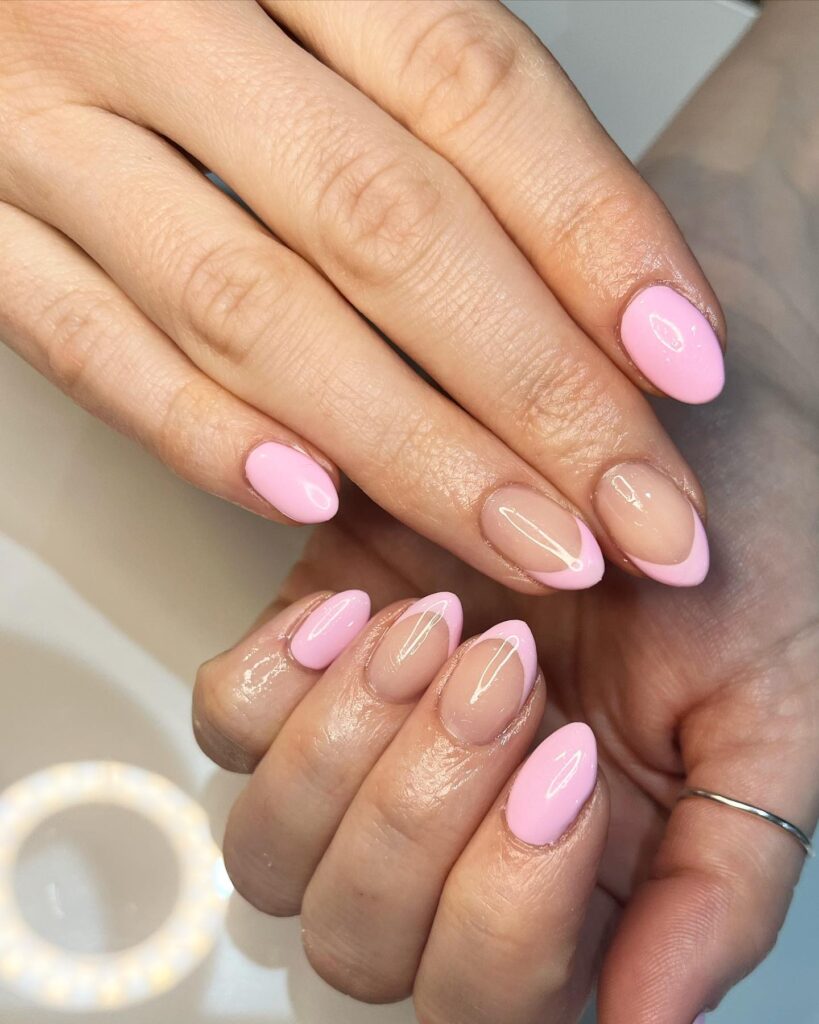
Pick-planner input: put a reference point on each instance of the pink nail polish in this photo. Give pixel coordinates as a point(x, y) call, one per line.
point(553, 785)
point(673, 344)
point(292, 482)
point(700, 1019)
point(653, 523)
point(490, 684)
point(330, 628)
point(545, 540)
point(416, 646)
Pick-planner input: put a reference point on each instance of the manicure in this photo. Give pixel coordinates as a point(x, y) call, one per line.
point(490, 684)
point(653, 523)
point(550, 544)
point(553, 785)
point(415, 647)
point(673, 344)
point(330, 628)
point(292, 482)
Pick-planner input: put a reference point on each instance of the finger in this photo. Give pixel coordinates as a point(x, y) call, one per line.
point(515, 905)
point(408, 242)
point(62, 314)
point(243, 696)
point(264, 324)
point(723, 879)
point(472, 82)
point(369, 906)
point(283, 822)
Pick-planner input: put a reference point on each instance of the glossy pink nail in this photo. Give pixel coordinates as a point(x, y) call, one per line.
point(653, 523)
point(416, 646)
point(553, 785)
point(673, 344)
point(545, 540)
point(490, 684)
point(330, 628)
point(292, 482)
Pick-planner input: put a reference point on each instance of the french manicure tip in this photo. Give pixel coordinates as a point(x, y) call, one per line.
point(688, 573)
point(448, 607)
point(586, 570)
point(517, 633)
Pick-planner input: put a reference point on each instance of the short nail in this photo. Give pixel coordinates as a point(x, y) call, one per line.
point(653, 523)
point(292, 482)
point(330, 628)
point(550, 544)
point(490, 684)
point(415, 647)
point(673, 344)
point(552, 786)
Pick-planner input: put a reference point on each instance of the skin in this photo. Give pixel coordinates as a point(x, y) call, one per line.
point(409, 188)
point(714, 687)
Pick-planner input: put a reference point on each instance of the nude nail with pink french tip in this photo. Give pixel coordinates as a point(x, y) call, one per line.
point(553, 785)
point(672, 343)
point(545, 540)
point(653, 523)
point(490, 684)
point(330, 628)
point(415, 647)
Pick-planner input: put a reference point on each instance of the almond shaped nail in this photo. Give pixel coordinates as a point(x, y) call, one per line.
point(490, 684)
point(292, 482)
point(416, 646)
point(550, 544)
point(653, 523)
point(673, 344)
point(330, 628)
point(553, 785)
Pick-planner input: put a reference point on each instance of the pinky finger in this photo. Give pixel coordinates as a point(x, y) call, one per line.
point(66, 317)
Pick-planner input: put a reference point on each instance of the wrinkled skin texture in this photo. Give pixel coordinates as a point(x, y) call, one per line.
point(716, 686)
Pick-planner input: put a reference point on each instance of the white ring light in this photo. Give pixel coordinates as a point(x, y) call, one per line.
point(49, 975)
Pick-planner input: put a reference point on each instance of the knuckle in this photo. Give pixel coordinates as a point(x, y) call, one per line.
point(79, 327)
point(237, 299)
point(183, 431)
point(563, 404)
point(340, 955)
point(456, 67)
point(606, 208)
point(377, 215)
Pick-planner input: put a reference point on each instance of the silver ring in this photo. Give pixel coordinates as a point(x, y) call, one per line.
point(774, 819)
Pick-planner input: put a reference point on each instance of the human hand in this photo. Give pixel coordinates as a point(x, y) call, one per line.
point(429, 166)
point(713, 688)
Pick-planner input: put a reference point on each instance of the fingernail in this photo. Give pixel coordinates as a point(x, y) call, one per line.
point(552, 786)
point(415, 647)
point(699, 1020)
point(547, 542)
point(292, 482)
point(490, 684)
point(653, 523)
point(330, 628)
point(673, 344)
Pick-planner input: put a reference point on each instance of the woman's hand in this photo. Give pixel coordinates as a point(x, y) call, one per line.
point(424, 164)
point(388, 821)
point(713, 688)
